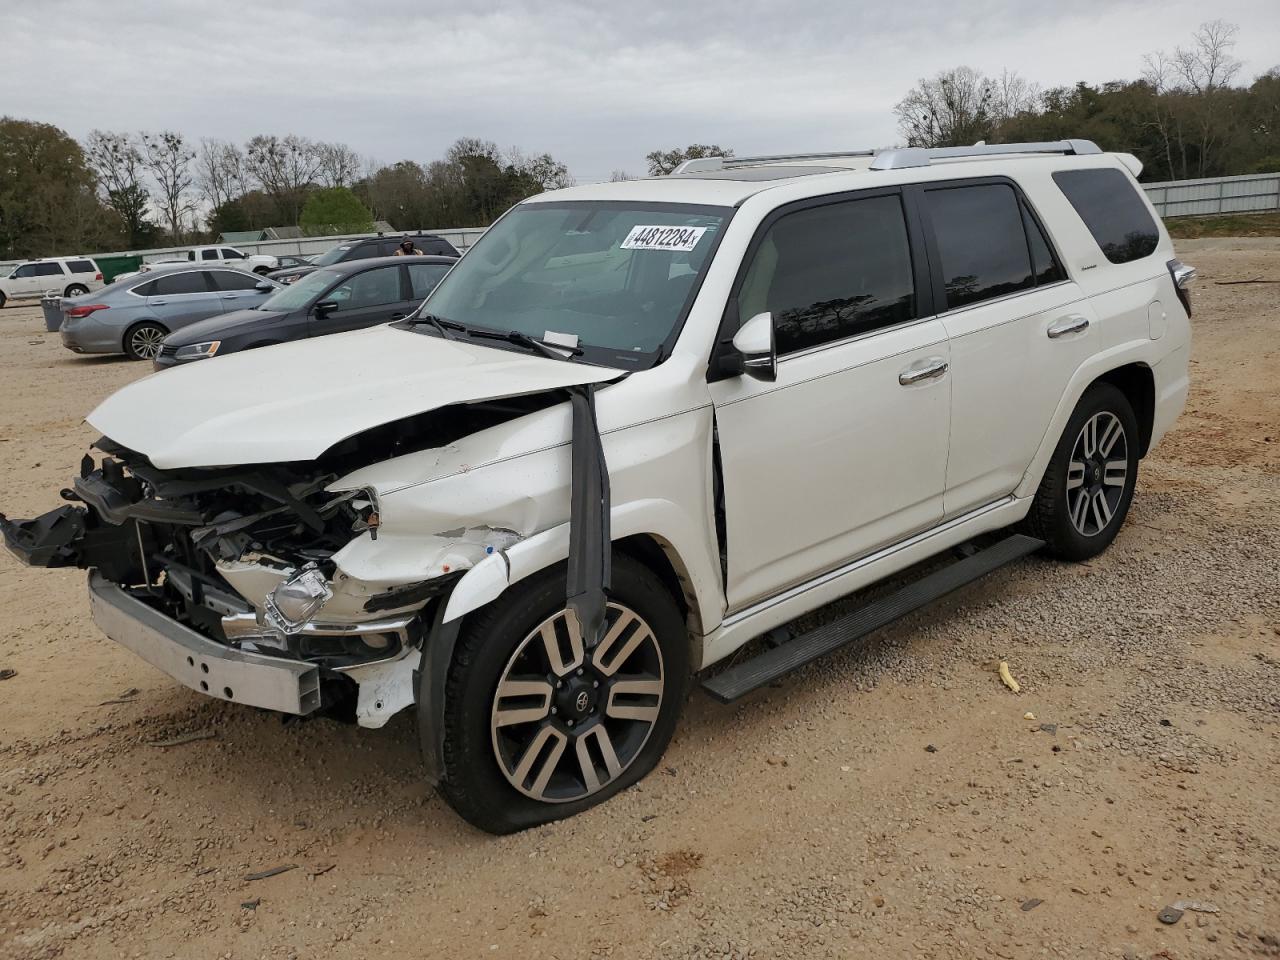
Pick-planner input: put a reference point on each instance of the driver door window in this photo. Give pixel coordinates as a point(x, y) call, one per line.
point(371, 297)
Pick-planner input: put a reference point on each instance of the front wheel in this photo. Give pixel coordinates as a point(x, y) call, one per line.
point(538, 727)
point(1088, 486)
point(262, 271)
point(142, 340)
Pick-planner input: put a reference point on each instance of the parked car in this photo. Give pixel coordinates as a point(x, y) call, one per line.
point(67, 276)
point(428, 243)
point(284, 261)
point(132, 316)
point(638, 426)
point(259, 263)
point(345, 296)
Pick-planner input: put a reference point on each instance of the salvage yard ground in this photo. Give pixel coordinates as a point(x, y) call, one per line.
point(893, 801)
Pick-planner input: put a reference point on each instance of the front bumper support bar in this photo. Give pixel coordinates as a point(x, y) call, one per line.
point(195, 661)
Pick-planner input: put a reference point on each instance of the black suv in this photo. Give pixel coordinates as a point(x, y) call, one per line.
point(380, 246)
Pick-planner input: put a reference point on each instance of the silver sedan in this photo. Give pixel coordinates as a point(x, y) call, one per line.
point(133, 316)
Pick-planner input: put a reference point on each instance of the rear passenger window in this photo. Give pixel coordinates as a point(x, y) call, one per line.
point(1112, 210)
point(1043, 263)
point(831, 272)
point(173, 284)
point(981, 242)
point(234, 280)
point(208, 254)
point(48, 270)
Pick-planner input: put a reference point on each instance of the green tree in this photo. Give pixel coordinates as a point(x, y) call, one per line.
point(335, 210)
point(48, 194)
point(662, 162)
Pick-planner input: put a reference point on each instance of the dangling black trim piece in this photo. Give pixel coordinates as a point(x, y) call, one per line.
point(590, 544)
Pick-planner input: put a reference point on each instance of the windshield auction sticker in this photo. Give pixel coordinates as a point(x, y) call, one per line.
point(679, 239)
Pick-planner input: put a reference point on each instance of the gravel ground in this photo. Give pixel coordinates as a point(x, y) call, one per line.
point(892, 801)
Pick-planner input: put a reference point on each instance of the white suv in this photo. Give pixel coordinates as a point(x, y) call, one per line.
point(637, 427)
point(64, 276)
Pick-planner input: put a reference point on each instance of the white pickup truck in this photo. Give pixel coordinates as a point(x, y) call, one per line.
point(259, 263)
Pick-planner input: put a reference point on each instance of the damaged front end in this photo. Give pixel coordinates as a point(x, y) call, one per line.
point(226, 579)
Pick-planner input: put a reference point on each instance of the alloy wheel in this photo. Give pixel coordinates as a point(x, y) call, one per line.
point(567, 721)
point(146, 342)
point(1097, 473)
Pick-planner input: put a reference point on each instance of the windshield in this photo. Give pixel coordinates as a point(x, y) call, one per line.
point(619, 275)
point(301, 293)
point(331, 256)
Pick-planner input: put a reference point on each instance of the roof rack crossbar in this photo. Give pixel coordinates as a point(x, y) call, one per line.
point(923, 156)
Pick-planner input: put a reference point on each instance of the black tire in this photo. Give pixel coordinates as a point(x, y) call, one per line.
point(492, 642)
point(3, 300)
point(1056, 517)
point(75, 290)
point(140, 341)
point(262, 271)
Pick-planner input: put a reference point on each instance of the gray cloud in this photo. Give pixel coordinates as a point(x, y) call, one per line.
point(597, 86)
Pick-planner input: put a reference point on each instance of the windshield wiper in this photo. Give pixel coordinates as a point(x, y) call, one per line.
point(444, 325)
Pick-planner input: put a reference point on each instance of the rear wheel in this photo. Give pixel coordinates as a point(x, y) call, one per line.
point(142, 340)
point(3, 298)
point(75, 290)
point(1088, 486)
point(537, 727)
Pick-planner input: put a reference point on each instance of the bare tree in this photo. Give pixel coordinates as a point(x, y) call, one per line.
point(220, 172)
point(117, 162)
point(338, 164)
point(285, 166)
point(1188, 86)
point(618, 176)
point(168, 159)
point(953, 108)
point(1207, 64)
point(1011, 95)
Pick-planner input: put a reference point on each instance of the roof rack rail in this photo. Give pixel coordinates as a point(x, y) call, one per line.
point(896, 158)
point(703, 164)
point(903, 157)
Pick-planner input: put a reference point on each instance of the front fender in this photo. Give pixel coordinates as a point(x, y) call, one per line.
point(661, 519)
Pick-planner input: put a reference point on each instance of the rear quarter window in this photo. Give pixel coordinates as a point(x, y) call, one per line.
point(1112, 210)
point(81, 266)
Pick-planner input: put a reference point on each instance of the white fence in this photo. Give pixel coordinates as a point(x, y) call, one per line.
point(1253, 193)
point(460, 237)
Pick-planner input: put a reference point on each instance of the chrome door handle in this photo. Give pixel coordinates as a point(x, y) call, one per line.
point(1073, 324)
point(931, 369)
point(158, 303)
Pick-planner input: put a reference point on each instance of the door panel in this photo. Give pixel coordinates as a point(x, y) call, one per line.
point(1018, 330)
point(1007, 378)
point(833, 461)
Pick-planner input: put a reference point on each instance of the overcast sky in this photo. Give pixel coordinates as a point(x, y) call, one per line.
point(596, 85)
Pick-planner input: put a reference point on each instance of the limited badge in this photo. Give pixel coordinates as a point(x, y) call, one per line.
point(678, 239)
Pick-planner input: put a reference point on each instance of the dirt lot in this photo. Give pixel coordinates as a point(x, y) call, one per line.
point(894, 801)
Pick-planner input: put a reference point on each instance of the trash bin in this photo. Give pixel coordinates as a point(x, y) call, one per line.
point(51, 304)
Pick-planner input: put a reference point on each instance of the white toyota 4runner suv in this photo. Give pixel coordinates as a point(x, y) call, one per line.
point(637, 427)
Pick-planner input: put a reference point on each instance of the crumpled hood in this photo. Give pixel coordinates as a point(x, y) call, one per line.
point(294, 401)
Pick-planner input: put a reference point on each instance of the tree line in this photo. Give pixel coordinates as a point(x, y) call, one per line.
point(124, 190)
point(1184, 117)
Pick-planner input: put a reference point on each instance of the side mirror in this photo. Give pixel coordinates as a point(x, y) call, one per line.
point(754, 341)
point(326, 307)
point(264, 286)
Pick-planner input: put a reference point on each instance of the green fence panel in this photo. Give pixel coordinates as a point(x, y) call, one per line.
point(112, 267)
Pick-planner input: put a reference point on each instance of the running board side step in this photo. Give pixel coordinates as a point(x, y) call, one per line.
point(742, 678)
